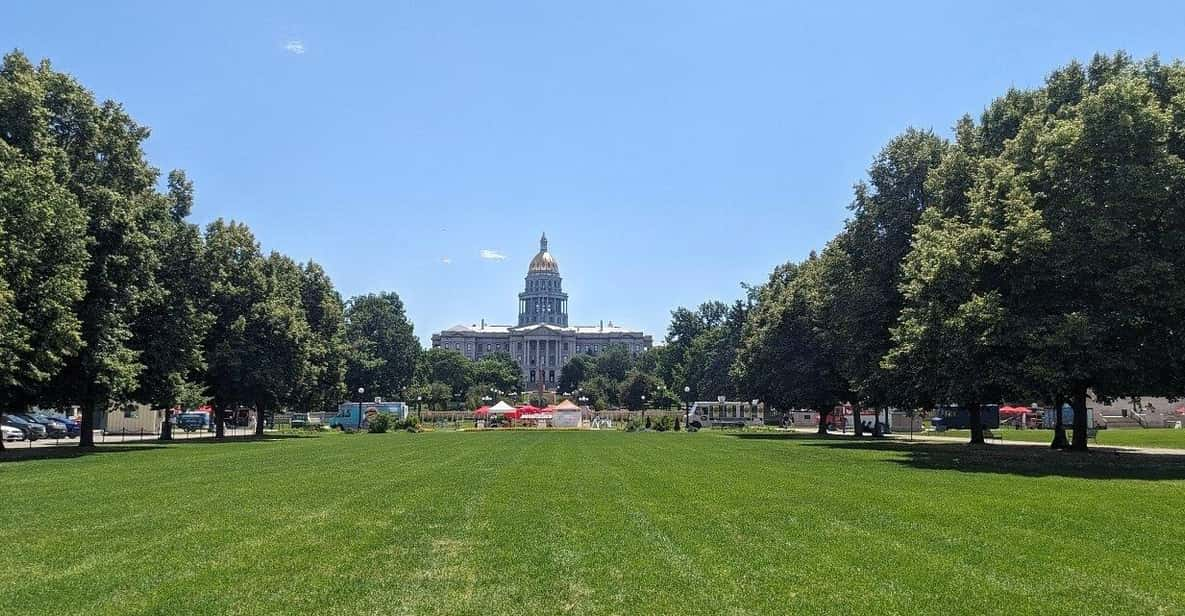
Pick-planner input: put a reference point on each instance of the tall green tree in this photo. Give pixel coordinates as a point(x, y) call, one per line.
point(448, 367)
point(233, 267)
point(279, 340)
point(384, 351)
point(576, 372)
point(862, 273)
point(42, 259)
point(496, 371)
point(324, 384)
point(637, 390)
point(709, 359)
point(105, 169)
point(169, 331)
point(784, 359)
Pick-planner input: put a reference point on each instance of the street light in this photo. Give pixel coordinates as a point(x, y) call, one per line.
point(643, 407)
point(419, 407)
point(687, 399)
point(361, 391)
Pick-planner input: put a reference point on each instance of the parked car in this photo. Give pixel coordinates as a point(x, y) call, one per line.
point(33, 431)
point(9, 433)
point(299, 420)
point(73, 428)
point(192, 421)
point(53, 429)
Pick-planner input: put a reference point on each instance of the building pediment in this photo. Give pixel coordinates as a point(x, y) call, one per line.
point(540, 328)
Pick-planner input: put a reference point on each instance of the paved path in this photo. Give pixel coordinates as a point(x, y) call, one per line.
point(100, 438)
point(934, 438)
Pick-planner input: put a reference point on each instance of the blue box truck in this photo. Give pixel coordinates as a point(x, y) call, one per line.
point(353, 415)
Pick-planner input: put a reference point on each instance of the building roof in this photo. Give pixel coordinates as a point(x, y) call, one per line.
point(608, 328)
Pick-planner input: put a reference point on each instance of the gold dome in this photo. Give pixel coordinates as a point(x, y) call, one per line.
point(543, 261)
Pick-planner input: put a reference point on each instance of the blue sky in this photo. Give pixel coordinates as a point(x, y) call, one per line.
point(670, 150)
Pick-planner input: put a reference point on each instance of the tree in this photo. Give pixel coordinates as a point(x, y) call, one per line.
point(439, 396)
point(614, 362)
point(234, 270)
point(169, 332)
point(709, 359)
point(967, 279)
point(685, 326)
point(104, 168)
point(278, 338)
point(448, 367)
point(575, 372)
point(637, 388)
point(384, 351)
point(863, 272)
point(41, 264)
point(324, 385)
point(496, 371)
point(784, 359)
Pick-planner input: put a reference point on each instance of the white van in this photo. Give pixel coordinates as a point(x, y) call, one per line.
point(721, 414)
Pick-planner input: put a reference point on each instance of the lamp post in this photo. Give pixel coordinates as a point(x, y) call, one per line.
point(643, 407)
point(419, 412)
point(687, 400)
point(361, 391)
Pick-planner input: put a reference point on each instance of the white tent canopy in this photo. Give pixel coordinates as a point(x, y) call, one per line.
point(501, 407)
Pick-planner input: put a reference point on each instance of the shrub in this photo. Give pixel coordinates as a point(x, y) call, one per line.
point(379, 423)
point(634, 425)
point(664, 423)
point(676, 424)
point(648, 423)
point(411, 423)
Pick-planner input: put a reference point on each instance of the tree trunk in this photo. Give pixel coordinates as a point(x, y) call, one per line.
point(823, 415)
point(976, 421)
point(859, 426)
point(259, 413)
point(86, 434)
point(219, 420)
point(1059, 427)
point(1078, 401)
point(166, 426)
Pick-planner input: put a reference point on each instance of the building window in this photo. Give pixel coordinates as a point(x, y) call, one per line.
point(520, 346)
point(532, 376)
point(565, 346)
point(551, 375)
point(487, 346)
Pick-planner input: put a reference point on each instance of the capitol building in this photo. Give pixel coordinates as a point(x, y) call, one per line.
point(542, 342)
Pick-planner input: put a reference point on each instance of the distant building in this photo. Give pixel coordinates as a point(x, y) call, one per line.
point(542, 342)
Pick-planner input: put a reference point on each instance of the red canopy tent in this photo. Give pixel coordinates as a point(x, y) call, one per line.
point(1015, 410)
point(481, 411)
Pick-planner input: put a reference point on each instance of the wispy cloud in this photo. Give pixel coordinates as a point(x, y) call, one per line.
point(446, 260)
point(492, 255)
point(294, 47)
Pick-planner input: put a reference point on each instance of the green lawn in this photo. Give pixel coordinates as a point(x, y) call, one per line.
point(592, 523)
point(1158, 438)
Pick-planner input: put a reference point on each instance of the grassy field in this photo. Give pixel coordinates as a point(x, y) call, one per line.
point(1157, 438)
point(592, 523)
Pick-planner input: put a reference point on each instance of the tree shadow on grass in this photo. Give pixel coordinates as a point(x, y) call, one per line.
point(1022, 460)
point(27, 454)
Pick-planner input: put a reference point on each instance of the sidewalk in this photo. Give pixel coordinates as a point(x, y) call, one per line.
point(100, 438)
